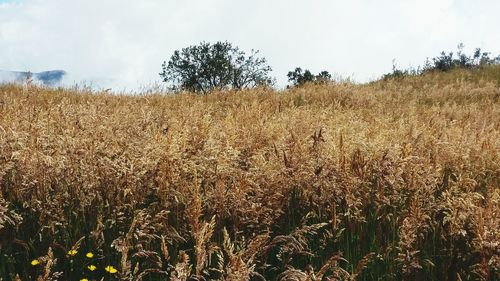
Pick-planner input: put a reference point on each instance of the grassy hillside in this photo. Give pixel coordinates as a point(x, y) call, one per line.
point(395, 180)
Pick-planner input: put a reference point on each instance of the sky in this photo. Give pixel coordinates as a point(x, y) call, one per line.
point(121, 44)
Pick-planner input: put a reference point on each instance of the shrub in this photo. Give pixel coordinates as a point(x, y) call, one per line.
point(299, 77)
point(447, 61)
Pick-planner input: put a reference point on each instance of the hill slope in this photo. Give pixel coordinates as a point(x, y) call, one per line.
point(393, 180)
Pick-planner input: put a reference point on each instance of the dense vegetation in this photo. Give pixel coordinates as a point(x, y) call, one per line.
point(448, 61)
point(394, 180)
point(207, 67)
point(299, 77)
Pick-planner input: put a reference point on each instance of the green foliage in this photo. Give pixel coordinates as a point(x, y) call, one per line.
point(446, 62)
point(400, 73)
point(299, 77)
point(449, 61)
point(206, 67)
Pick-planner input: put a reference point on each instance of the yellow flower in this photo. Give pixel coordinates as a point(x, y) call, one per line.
point(35, 262)
point(72, 252)
point(110, 269)
point(89, 255)
point(84, 279)
point(92, 267)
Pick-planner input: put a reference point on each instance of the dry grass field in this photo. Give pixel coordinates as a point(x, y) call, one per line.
point(392, 180)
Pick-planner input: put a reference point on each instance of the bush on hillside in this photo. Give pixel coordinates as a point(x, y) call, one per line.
point(447, 61)
point(299, 77)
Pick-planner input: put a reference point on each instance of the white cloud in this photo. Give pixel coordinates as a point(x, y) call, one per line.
point(119, 43)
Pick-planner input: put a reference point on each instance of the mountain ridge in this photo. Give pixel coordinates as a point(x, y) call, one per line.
point(49, 78)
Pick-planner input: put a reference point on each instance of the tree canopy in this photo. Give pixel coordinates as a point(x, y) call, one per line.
point(206, 67)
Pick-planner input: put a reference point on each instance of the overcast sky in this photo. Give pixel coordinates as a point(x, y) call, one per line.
point(121, 43)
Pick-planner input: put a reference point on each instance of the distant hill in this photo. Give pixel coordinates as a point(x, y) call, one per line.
point(49, 78)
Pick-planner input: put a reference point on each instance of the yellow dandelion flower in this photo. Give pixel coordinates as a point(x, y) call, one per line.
point(92, 267)
point(84, 279)
point(89, 255)
point(110, 269)
point(72, 252)
point(35, 262)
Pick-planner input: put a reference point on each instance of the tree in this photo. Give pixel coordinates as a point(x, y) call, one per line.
point(206, 67)
point(298, 78)
point(323, 76)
